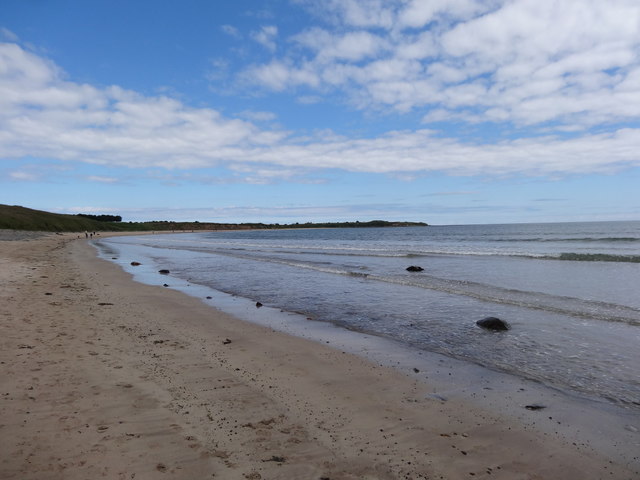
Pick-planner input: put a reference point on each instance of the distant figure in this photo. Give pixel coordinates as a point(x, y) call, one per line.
point(86, 234)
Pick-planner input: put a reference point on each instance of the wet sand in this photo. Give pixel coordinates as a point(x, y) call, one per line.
point(106, 377)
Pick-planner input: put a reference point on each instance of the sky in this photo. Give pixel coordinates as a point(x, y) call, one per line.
point(283, 111)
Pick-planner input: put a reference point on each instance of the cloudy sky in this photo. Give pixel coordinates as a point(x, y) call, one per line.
point(444, 111)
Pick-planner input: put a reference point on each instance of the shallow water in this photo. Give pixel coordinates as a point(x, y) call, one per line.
point(569, 291)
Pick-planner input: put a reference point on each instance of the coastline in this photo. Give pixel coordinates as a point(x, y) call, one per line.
point(104, 376)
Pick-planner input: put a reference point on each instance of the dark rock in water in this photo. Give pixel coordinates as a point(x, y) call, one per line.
point(135, 264)
point(164, 272)
point(535, 407)
point(494, 324)
point(209, 298)
point(414, 268)
point(165, 285)
point(258, 304)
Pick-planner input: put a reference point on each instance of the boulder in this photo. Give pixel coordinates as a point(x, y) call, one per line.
point(164, 272)
point(414, 268)
point(494, 324)
point(135, 264)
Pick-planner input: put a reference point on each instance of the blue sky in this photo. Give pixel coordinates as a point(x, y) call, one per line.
point(444, 111)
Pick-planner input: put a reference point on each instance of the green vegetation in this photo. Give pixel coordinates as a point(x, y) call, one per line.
point(21, 218)
point(102, 218)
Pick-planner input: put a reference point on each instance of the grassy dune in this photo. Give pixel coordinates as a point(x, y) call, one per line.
point(21, 218)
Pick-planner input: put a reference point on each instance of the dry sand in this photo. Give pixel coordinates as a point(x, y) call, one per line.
point(103, 377)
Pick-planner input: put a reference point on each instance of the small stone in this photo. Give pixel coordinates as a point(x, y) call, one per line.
point(275, 458)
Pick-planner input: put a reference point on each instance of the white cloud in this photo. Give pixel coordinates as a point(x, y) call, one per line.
point(45, 116)
point(266, 36)
point(358, 13)
point(102, 179)
point(231, 31)
point(256, 116)
point(24, 176)
point(419, 13)
point(279, 76)
point(528, 62)
point(351, 46)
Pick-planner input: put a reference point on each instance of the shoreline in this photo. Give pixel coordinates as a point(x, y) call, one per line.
point(109, 377)
point(605, 426)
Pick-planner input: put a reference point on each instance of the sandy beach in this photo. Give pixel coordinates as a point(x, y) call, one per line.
point(103, 377)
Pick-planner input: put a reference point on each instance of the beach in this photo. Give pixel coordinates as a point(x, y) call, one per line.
point(104, 377)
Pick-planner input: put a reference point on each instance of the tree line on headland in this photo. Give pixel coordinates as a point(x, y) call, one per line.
point(21, 218)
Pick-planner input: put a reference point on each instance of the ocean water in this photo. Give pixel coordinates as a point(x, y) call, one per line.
point(570, 291)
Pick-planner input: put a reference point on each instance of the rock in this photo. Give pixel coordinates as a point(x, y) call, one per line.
point(535, 407)
point(414, 268)
point(226, 342)
point(164, 272)
point(494, 324)
point(165, 285)
point(135, 264)
point(258, 304)
point(209, 297)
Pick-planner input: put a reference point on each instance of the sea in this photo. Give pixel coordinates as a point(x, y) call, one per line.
point(570, 292)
